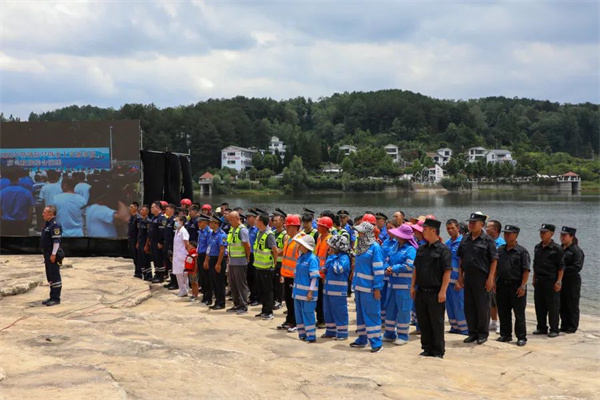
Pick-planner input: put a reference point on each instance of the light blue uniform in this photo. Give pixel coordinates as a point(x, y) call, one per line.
point(398, 301)
point(69, 213)
point(387, 247)
point(83, 189)
point(455, 300)
point(48, 192)
point(368, 276)
point(335, 289)
point(307, 269)
point(99, 221)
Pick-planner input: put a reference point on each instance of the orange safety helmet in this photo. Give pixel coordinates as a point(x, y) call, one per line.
point(292, 219)
point(186, 202)
point(326, 222)
point(207, 207)
point(370, 218)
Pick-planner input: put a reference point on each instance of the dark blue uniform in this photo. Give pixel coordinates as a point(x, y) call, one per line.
point(132, 234)
point(216, 240)
point(51, 234)
point(192, 227)
point(168, 250)
point(203, 274)
point(143, 257)
point(156, 234)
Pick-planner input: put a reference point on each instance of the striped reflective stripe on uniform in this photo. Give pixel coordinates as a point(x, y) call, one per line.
point(364, 276)
point(300, 328)
point(331, 293)
point(303, 287)
point(402, 275)
point(378, 272)
point(395, 286)
point(338, 283)
point(300, 297)
point(362, 289)
point(315, 274)
point(378, 264)
point(462, 325)
point(453, 280)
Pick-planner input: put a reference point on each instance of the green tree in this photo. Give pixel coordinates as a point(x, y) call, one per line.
point(295, 175)
point(347, 165)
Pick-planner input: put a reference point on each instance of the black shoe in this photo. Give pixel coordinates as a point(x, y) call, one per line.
point(277, 305)
point(46, 301)
point(358, 345)
point(481, 340)
point(540, 332)
point(158, 280)
point(377, 349)
point(326, 336)
point(504, 339)
point(242, 310)
point(310, 340)
point(425, 354)
point(570, 331)
point(521, 342)
point(171, 287)
point(470, 339)
point(217, 307)
point(437, 356)
point(254, 303)
point(553, 334)
point(52, 303)
point(283, 326)
point(563, 329)
point(233, 309)
point(259, 315)
point(285, 312)
point(207, 303)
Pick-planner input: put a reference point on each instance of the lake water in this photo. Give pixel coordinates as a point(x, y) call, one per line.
point(526, 210)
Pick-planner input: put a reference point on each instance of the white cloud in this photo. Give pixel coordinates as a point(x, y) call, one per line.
point(172, 53)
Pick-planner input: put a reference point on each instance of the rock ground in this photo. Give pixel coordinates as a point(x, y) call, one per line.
point(116, 337)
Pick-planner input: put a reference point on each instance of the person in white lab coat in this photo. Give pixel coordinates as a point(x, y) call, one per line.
point(181, 246)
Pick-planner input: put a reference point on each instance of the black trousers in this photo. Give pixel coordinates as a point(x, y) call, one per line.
point(508, 302)
point(144, 261)
point(547, 305)
point(252, 280)
point(477, 304)
point(278, 291)
point(288, 287)
point(264, 280)
point(569, 302)
point(203, 275)
point(217, 279)
point(53, 276)
point(319, 309)
point(158, 260)
point(131, 242)
point(430, 314)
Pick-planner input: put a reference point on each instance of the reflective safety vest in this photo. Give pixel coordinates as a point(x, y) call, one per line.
point(290, 256)
point(263, 257)
point(234, 243)
point(279, 236)
point(312, 233)
point(321, 252)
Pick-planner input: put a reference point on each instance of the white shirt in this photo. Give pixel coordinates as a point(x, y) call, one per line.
point(179, 250)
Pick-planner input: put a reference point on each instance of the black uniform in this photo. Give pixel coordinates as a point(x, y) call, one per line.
point(51, 234)
point(143, 258)
point(192, 227)
point(547, 262)
point(512, 264)
point(169, 235)
point(431, 262)
point(571, 289)
point(132, 234)
point(477, 256)
point(156, 234)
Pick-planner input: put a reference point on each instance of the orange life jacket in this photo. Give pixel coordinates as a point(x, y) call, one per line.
point(321, 252)
point(290, 256)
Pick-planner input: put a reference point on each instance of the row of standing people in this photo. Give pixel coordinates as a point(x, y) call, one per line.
point(266, 267)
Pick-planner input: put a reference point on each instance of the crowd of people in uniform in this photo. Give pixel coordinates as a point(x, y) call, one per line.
point(401, 272)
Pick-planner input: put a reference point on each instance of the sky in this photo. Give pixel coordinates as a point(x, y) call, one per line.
point(108, 53)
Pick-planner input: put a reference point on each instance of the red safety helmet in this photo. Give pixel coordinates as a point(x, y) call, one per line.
point(207, 207)
point(163, 203)
point(186, 202)
point(326, 222)
point(292, 219)
point(370, 218)
point(430, 216)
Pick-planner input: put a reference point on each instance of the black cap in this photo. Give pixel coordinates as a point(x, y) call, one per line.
point(369, 212)
point(432, 223)
point(477, 217)
point(569, 230)
point(242, 216)
point(547, 227)
point(307, 217)
point(173, 206)
point(216, 219)
point(512, 229)
point(343, 213)
point(203, 217)
point(306, 210)
point(381, 216)
point(251, 213)
point(280, 212)
point(260, 211)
